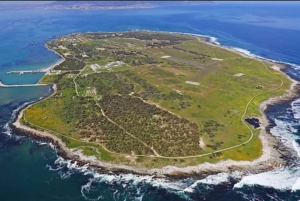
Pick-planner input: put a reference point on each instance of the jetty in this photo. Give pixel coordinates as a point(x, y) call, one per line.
point(20, 85)
point(26, 71)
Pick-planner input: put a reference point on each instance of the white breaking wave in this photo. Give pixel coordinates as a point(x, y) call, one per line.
point(287, 178)
point(8, 132)
point(72, 165)
point(296, 108)
point(87, 188)
point(214, 40)
point(136, 180)
point(46, 143)
point(216, 179)
point(210, 180)
point(42, 143)
point(296, 185)
point(7, 129)
point(281, 179)
point(243, 51)
point(284, 132)
point(125, 180)
point(53, 169)
point(14, 113)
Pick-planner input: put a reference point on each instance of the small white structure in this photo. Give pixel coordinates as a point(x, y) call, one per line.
point(62, 47)
point(193, 83)
point(91, 91)
point(70, 75)
point(165, 57)
point(113, 64)
point(238, 74)
point(216, 59)
point(107, 66)
point(67, 54)
point(201, 143)
point(179, 92)
point(94, 67)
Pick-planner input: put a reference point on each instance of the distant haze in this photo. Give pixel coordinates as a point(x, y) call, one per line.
point(28, 3)
point(102, 3)
point(23, 3)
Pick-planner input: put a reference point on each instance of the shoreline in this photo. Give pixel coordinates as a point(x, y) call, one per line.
point(62, 59)
point(270, 158)
point(46, 70)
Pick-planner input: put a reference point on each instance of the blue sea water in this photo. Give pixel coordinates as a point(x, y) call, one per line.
point(31, 170)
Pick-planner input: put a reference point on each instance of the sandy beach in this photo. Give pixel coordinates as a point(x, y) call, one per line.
point(270, 158)
point(57, 63)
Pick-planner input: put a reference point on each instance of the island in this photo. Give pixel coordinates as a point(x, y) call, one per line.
point(157, 103)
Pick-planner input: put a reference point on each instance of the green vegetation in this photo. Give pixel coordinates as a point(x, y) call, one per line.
point(154, 98)
point(70, 64)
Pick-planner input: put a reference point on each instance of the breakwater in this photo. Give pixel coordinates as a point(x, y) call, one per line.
point(20, 85)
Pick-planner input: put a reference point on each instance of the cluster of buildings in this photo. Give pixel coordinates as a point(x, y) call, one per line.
point(91, 91)
point(108, 66)
point(73, 38)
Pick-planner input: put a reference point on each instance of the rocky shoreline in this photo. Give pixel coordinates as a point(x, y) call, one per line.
point(275, 154)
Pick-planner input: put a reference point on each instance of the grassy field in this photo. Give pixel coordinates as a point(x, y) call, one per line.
point(169, 97)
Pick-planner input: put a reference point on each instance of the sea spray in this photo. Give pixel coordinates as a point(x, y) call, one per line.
point(140, 185)
point(7, 130)
point(87, 188)
point(273, 179)
point(285, 130)
point(296, 108)
point(67, 168)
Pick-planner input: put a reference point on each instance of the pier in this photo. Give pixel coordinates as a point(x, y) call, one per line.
point(26, 71)
point(20, 85)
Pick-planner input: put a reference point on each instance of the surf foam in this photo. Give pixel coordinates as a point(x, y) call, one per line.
point(296, 108)
point(284, 131)
point(7, 129)
point(273, 179)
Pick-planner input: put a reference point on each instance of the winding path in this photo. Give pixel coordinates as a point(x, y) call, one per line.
point(156, 154)
point(154, 151)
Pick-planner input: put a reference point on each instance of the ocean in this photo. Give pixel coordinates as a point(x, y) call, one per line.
point(31, 170)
